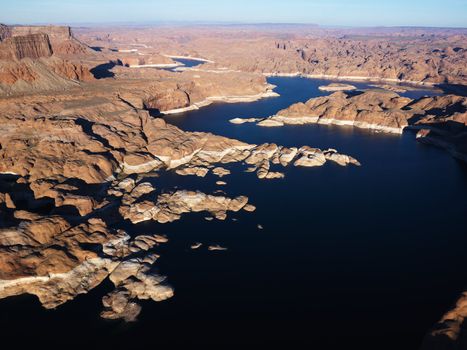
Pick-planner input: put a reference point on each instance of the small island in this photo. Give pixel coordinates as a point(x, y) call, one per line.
point(337, 87)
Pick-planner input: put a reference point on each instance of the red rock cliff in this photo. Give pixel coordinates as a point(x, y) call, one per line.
point(4, 32)
point(26, 46)
point(32, 46)
point(61, 38)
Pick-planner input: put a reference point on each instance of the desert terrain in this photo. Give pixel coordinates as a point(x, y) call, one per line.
point(82, 115)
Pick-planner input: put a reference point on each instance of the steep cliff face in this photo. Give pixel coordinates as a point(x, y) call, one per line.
point(61, 38)
point(28, 60)
point(31, 45)
point(27, 46)
point(4, 32)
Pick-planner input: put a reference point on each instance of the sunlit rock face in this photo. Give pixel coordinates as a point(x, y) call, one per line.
point(450, 332)
point(31, 46)
point(40, 58)
point(56, 262)
point(378, 110)
point(61, 38)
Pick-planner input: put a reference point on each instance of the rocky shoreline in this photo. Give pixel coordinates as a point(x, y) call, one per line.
point(382, 111)
point(352, 78)
point(79, 150)
point(224, 99)
point(74, 168)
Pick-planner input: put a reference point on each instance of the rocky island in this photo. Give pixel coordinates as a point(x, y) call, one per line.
point(337, 87)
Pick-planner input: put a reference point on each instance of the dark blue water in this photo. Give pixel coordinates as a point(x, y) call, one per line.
point(187, 63)
point(104, 70)
point(360, 257)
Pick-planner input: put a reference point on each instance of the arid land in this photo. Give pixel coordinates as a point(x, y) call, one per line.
point(80, 132)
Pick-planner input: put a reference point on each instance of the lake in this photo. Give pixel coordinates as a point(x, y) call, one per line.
point(363, 257)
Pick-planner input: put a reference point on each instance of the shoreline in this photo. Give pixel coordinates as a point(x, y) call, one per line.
point(157, 65)
point(436, 139)
point(217, 71)
point(226, 99)
point(280, 121)
point(189, 58)
point(351, 78)
point(330, 77)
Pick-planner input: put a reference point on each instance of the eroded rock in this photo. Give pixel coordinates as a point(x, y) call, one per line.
point(168, 207)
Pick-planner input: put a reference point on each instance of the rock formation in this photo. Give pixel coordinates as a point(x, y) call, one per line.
point(450, 332)
point(337, 87)
point(61, 37)
point(442, 118)
point(30, 60)
point(168, 207)
point(32, 46)
point(372, 109)
point(76, 162)
point(423, 55)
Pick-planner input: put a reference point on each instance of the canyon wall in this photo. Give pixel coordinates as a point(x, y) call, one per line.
point(61, 38)
point(27, 46)
point(39, 58)
point(5, 32)
point(31, 45)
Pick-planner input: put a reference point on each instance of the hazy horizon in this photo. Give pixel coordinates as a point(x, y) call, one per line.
point(331, 13)
point(217, 23)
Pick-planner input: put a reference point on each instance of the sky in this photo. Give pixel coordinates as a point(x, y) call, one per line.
point(433, 13)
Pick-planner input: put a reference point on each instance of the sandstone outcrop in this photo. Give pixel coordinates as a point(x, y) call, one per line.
point(249, 208)
point(30, 61)
point(386, 111)
point(196, 245)
point(220, 171)
point(50, 260)
point(337, 87)
point(32, 46)
point(56, 261)
point(147, 60)
point(193, 170)
point(61, 38)
point(168, 207)
point(5, 32)
point(134, 279)
point(442, 118)
point(450, 332)
point(377, 110)
point(216, 248)
point(243, 120)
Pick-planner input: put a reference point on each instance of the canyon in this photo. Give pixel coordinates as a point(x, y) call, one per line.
point(86, 141)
